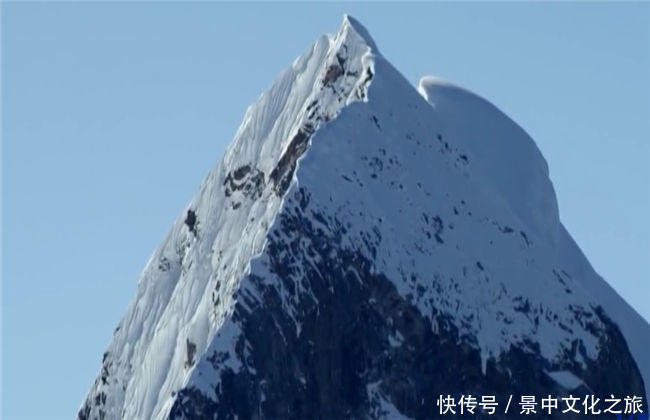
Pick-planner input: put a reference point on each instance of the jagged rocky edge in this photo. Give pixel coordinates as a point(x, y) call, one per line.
point(238, 183)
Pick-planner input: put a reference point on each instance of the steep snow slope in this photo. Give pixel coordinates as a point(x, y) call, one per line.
point(511, 162)
point(185, 291)
point(347, 206)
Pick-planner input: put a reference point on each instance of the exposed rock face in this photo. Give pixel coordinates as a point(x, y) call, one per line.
point(243, 183)
point(359, 252)
point(361, 342)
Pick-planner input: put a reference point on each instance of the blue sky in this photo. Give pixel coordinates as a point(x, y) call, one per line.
point(112, 114)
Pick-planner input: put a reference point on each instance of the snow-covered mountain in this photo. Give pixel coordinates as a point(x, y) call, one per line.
point(362, 247)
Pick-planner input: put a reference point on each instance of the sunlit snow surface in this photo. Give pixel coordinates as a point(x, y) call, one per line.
point(463, 215)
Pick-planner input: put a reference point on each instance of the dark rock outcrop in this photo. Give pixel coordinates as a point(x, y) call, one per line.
point(361, 341)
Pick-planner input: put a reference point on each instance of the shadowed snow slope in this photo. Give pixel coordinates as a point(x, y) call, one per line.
point(509, 159)
point(512, 163)
point(357, 252)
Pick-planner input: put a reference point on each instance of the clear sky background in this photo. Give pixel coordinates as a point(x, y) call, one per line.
point(112, 114)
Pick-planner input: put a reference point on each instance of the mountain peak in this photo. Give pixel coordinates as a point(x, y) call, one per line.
point(351, 24)
point(350, 229)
